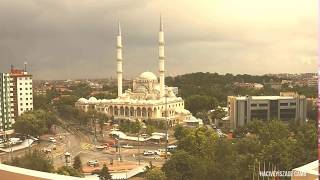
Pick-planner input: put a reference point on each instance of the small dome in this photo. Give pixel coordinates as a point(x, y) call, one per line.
point(83, 100)
point(148, 76)
point(92, 99)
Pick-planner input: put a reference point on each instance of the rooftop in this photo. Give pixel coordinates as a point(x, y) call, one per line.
point(265, 97)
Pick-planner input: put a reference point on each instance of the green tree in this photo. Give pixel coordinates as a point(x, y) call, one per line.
point(41, 102)
point(197, 103)
point(69, 171)
point(35, 160)
point(104, 173)
point(77, 164)
point(155, 174)
point(31, 123)
point(180, 132)
point(181, 166)
point(102, 118)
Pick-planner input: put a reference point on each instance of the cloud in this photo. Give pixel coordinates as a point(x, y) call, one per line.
point(76, 38)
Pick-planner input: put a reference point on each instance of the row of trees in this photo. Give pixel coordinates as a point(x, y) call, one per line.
point(203, 155)
point(37, 160)
point(35, 123)
point(205, 91)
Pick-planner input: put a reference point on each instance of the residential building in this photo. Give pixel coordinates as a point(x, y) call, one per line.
point(286, 107)
point(6, 112)
point(22, 91)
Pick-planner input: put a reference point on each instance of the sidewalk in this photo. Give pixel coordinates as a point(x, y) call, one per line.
point(23, 145)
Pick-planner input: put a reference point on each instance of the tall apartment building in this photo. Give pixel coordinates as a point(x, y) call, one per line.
point(286, 107)
point(22, 91)
point(6, 111)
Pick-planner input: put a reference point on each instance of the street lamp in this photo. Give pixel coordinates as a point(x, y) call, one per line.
point(67, 156)
point(139, 158)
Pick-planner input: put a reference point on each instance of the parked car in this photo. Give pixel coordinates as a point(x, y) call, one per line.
point(101, 147)
point(127, 146)
point(148, 153)
point(93, 163)
point(52, 139)
point(144, 135)
point(171, 148)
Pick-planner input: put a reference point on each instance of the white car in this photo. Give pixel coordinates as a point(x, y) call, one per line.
point(148, 153)
point(144, 135)
point(93, 163)
point(127, 146)
point(52, 139)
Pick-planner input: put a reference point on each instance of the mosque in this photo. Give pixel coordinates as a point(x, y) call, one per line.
point(148, 98)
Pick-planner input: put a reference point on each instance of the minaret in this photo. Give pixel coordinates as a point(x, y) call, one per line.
point(161, 58)
point(119, 61)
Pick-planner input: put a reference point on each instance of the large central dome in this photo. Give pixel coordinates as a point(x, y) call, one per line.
point(148, 76)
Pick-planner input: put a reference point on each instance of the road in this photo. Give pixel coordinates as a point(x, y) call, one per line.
point(77, 142)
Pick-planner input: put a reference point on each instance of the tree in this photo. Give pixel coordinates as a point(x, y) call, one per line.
point(104, 173)
point(35, 160)
point(180, 132)
point(197, 103)
point(77, 164)
point(102, 118)
point(218, 113)
point(41, 102)
point(181, 166)
point(35, 123)
point(155, 174)
point(69, 171)
point(31, 123)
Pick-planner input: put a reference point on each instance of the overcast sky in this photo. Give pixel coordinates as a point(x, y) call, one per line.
point(64, 39)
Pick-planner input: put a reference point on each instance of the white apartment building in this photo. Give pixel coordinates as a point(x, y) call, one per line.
point(22, 91)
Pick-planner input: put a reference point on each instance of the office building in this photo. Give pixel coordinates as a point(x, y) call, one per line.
point(286, 107)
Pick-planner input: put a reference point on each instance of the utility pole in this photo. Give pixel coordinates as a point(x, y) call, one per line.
point(166, 117)
point(139, 146)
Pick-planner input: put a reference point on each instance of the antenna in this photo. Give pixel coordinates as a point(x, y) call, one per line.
point(25, 66)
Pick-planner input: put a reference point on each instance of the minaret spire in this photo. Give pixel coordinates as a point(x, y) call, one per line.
point(119, 60)
point(161, 59)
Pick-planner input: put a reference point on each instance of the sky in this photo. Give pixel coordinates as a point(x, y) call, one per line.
point(76, 38)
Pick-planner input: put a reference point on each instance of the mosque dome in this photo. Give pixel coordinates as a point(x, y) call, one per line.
point(148, 76)
point(92, 100)
point(82, 100)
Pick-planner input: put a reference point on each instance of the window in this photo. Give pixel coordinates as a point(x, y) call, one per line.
point(20, 99)
point(20, 94)
point(20, 83)
point(27, 109)
point(20, 89)
point(26, 88)
point(27, 98)
point(263, 105)
point(254, 105)
point(292, 104)
point(26, 93)
point(21, 104)
point(26, 83)
point(283, 104)
point(21, 109)
point(27, 104)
